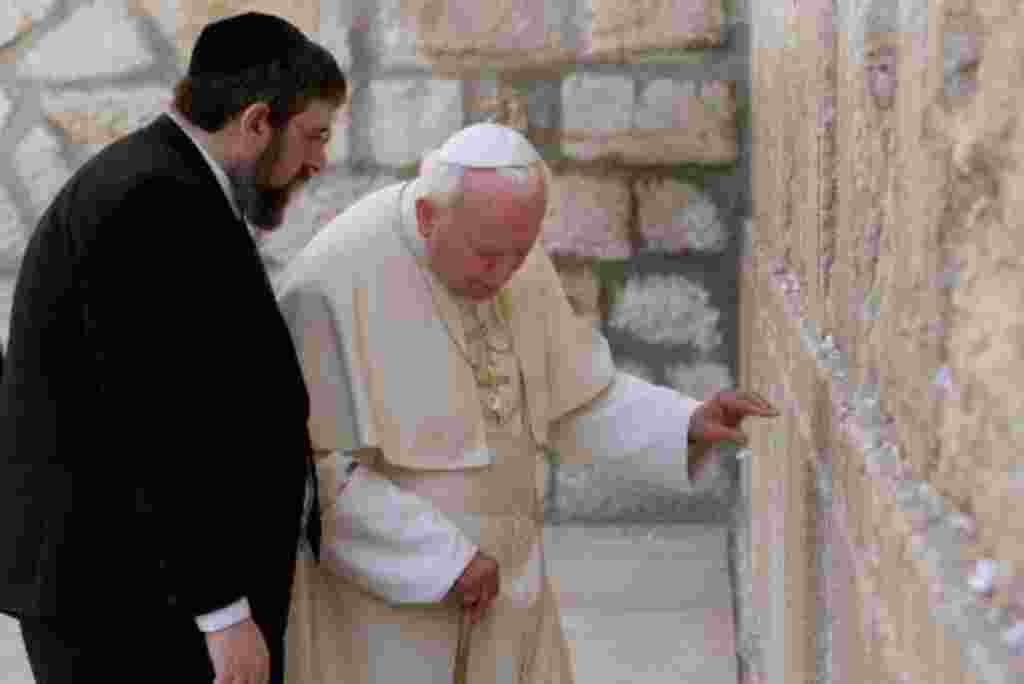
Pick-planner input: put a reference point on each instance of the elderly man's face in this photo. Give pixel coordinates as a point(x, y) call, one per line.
point(475, 248)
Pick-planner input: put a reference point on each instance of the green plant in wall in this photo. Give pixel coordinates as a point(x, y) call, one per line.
point(611, 276)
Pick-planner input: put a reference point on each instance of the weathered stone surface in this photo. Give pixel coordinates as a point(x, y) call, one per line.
point(667, 309)
point(392, 35)
point(700, 380)
point(671, 122)
point(18, 16)
point(597, 103)
point(582, 289)
point(588, 216)
point(12, 232)
point(164, 13)
point(338, 21)
point(193, 15)
point(314, 208)
point(500, 103)
point(677, 217)
point(620, 29)
point(98, 39)
point(466, 35)
point(635, 367)
point(39, 163)
point(411, 117)
point(100, 117)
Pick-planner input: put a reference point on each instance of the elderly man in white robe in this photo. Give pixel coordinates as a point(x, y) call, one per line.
point(444, 365)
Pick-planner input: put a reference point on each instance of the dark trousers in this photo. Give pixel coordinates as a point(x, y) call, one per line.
point(134, 650)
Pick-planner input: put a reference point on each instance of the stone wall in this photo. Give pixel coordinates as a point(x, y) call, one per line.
point(637, 106)
point(882, 303)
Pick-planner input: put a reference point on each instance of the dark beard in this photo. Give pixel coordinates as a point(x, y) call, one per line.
point(260, 202)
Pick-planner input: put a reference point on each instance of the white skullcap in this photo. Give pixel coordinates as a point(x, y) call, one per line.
point(488, 145)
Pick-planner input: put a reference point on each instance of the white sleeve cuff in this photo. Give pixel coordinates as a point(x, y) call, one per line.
point(225, 617)
point(391, 542)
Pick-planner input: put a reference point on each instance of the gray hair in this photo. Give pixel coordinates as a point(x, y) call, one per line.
point(442, 182)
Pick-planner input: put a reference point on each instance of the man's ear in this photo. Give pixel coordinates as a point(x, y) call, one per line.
point(425, 215)
point(254, 123)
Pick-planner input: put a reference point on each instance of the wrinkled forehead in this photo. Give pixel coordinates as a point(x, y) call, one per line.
point(495, 216)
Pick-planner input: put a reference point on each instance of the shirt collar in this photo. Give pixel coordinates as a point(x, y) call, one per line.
point(218, 170)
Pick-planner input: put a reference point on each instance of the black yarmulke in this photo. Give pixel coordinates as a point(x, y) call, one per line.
point(230, 46)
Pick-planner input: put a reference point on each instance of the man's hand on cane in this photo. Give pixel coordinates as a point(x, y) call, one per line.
point(239, 654)
point(478, 585)
point(719, 419)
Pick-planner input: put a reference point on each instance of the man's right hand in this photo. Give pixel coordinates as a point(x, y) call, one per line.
point(239, 654)
point(478, 585)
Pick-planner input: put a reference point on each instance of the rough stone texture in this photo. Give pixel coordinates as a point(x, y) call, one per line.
point(669, 122)
point(18, 16)
point(12, 233)
point(700, 380)
point(618, 29)
point(163, 12)
point(100, 117)
point(392, 35)
point(885, 316)
point(41, 167)
point(425, 111)
point(98, 39)
point(459, 36)
point(588, 216)
point(667, 309)
point(676, 217)
point(500, 103)
point(194, 14)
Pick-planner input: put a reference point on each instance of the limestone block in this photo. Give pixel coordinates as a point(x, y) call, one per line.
point(667, 309)
point(457, 36)
point(18, 16)
point(392, 35)
point(700, 380)
point(12, 232)
point(588, 216)
point(500, 103)
point(582, 289)
point(100, 117)
point(670, 122)
point(43, 170)
point(635, 367)
point(193, 15)
point(620, 29)
point(322, 201)
point(98, 39)
point(412, 116)
point(677, 217)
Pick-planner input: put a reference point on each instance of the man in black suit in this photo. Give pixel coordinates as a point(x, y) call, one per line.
point(155, 463)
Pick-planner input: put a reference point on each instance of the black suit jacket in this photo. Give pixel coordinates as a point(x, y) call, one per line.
point(153, 416)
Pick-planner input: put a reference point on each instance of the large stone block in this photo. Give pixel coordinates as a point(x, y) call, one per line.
point(618, 30)
point(100, 117)
point(193, 15)
point(669, 122)
point(667, 309)
point(588, 216)
point(98, 39)
point(466, 35)
point(412, 116)
point(38, 161)
point(677, 217)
